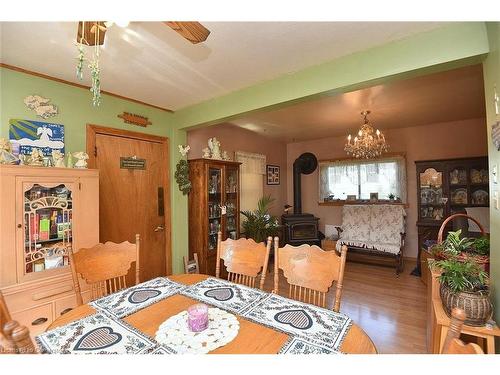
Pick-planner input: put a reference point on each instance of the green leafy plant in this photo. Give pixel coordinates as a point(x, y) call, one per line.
point(454, 245)
point(391, 196)
point(462, 276)
point(259, 224)
point(481, 245)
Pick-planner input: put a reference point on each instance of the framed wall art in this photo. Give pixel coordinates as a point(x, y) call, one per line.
point(29, 134)
point(273, 174)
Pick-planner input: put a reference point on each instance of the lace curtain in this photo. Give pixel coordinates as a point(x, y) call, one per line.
point(361, 177)
point(252, 172)
point(252, 163)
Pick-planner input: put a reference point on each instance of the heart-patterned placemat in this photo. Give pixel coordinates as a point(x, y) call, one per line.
point(130, 300)
point(318, 326)
point(97, 334)
point(224, 294)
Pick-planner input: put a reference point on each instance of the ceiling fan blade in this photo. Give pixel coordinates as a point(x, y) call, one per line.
point(87, 32)
point(195, 32)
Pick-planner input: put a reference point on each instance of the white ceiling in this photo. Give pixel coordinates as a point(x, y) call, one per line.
point(441, 97)
point(150, 62)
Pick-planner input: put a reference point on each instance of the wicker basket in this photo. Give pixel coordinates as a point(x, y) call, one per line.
point(477, 306)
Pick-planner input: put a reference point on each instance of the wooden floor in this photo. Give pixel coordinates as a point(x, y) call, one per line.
point(390, 309)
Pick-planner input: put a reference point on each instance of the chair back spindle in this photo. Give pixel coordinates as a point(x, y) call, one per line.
point(14, 338)
point(452, 343)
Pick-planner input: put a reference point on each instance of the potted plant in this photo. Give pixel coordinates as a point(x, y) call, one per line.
point(391, 196)
point(260, 224)
point(464, 284)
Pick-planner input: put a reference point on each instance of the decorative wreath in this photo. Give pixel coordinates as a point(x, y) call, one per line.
point(182, 176)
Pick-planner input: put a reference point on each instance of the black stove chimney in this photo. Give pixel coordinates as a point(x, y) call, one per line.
point(304, 164)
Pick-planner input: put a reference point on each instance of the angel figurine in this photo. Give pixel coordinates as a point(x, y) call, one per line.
point(36, 158)
point(81, 159)
point(206, 153)
point(214, 146)
point(58, 159)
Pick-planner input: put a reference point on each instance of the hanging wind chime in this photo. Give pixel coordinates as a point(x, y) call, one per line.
point(95, 88)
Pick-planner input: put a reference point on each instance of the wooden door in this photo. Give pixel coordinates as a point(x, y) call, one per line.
point(135, 200)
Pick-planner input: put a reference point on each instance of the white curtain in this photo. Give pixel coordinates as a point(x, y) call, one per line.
point(252, 172)
point(362, 177)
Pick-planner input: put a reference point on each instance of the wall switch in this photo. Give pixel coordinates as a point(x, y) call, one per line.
point(494, 172)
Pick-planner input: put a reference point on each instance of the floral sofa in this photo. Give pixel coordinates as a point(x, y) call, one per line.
point(374, 228)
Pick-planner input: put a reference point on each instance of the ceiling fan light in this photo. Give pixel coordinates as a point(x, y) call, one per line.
point(122, 23)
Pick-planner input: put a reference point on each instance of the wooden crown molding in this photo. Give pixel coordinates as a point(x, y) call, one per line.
point(41, 75)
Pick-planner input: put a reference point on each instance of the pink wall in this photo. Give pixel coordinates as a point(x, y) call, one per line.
point(233, 138)
point(436, 141)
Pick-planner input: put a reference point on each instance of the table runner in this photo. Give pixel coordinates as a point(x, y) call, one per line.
point(312, 324)
point(299, 346)
point(224, 294)
point(98, 334)
point(130, 300)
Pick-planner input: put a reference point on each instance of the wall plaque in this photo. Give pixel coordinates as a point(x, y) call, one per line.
point(132, 163)
point(132, 118)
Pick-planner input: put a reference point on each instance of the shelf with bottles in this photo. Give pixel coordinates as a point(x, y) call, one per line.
point(48, 216)
point(231, 181)
point(214, 210)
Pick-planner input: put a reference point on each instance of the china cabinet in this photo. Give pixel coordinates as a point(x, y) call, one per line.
point(214, 205)
point(44, 212)
point(445, 187)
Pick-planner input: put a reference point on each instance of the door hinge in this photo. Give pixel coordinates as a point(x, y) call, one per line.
point(95, 150)
point(79, 186)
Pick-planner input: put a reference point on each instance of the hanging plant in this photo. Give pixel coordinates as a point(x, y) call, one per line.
point(95, 88)
point(80, 58)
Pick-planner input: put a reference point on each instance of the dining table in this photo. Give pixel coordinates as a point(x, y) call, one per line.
point(252, 338)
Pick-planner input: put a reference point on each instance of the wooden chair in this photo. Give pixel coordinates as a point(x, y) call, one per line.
point(310, 272)
point(14, 338)
point(452, 343)
point(243, 259)
point(191, 266)
point(104, 267)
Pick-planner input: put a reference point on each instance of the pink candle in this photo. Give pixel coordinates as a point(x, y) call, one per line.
point(198, 317)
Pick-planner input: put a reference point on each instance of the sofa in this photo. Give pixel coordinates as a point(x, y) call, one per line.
point(377, 229)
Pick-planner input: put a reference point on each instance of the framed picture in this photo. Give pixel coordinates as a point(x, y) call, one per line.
point(273, 174)
point(373, 197)
point(29, 134)
point(351, 198)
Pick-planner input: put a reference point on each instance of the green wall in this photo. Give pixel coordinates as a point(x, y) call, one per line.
point(491, 69)
point(76, 110)
point(451, 46)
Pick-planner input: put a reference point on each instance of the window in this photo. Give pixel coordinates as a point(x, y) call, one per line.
point(338, 179)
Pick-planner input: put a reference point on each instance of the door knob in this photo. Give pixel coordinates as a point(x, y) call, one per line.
point(159, 228)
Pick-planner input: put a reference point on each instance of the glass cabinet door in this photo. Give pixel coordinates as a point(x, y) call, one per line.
point(214, 206)
point(432, 199)
point(231, 203)
point(47, 223)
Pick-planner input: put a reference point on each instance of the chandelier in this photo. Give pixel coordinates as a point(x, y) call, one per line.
point(368, 143)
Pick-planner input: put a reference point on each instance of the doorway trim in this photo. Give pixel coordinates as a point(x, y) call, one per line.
point(93, 130)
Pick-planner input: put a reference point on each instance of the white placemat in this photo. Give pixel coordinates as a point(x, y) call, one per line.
point(175, 334)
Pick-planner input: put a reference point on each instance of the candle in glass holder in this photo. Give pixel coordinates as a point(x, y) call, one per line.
point(198, 317)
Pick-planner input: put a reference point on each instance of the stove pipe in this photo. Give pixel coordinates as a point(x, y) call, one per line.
point(304, 164)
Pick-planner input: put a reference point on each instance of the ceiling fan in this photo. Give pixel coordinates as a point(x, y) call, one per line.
point(195, 32)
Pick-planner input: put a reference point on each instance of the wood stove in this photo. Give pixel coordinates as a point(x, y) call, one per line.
point(301, 228)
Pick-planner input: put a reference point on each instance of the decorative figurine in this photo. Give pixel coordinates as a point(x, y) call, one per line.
point(214, 146)
point(6, 155)
point(58, 159)
point(225, 156)
point(36, 158)
point(70, 162)
point(81, 159)
point(184, 150)
point(206, 153)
